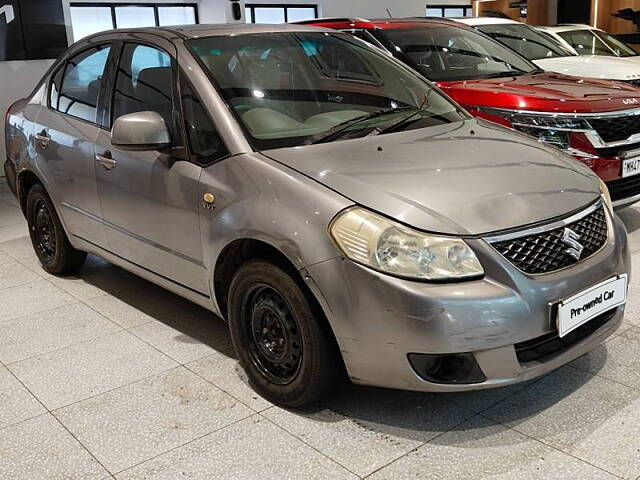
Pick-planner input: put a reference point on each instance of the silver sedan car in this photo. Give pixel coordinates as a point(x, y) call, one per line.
point(340, 212)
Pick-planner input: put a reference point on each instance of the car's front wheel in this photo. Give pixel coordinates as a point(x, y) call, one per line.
point(281, 340)
point(50, 242)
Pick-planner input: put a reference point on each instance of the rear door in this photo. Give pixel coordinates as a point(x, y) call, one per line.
point(65, 131)
point(150, 198)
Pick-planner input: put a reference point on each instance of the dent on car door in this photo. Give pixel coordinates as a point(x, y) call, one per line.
point(65, 131)
point(149, 197)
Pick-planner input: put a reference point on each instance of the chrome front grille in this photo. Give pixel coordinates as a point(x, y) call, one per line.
point(537, 252)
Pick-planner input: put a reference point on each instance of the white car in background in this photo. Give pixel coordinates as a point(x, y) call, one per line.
point(587, 40)
point(554, 56)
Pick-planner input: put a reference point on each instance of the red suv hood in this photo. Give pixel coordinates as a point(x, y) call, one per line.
point(545, 92)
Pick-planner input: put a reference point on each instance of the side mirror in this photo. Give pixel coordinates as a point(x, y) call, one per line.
point(140, 131)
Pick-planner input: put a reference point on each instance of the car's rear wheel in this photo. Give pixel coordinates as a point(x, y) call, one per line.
point(48, 237)
point(281, 340)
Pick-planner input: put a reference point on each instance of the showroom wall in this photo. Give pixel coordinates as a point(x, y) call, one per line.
point(367, 8)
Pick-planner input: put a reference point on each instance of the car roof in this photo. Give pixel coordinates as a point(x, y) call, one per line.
point(207, 30)
point(568, 28)
point(384, 23)
point(487, 21)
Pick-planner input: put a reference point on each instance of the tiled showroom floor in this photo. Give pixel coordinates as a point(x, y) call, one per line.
point(105, 375)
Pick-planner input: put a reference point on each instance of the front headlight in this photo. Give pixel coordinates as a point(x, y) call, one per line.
point(551, 129)
point(604, 190)
point(390, 247)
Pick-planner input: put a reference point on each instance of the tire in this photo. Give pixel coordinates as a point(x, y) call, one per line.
point(48, 237)
point(272, 322)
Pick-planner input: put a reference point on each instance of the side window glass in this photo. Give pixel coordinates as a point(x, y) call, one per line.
point(144, 83)
point(204, 142)
point(81, 83)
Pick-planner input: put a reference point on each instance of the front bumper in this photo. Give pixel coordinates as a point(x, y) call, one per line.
point(378, 319)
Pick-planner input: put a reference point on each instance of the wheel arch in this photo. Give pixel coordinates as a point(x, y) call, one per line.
point(242, 250)
point(237, 253)
point(24, 181)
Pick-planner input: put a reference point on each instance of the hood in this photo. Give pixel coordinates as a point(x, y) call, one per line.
point(545, 92)
point(466, 178)
point(594, 66)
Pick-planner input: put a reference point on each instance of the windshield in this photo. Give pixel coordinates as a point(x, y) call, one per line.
point(591, 42)
point(525, 40)
point(448, 53)
point(289, 89)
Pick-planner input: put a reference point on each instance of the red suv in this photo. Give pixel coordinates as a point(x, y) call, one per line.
point(596, 121)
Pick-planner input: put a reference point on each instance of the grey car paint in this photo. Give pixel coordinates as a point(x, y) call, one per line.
point(468, 178)
point(411, 177)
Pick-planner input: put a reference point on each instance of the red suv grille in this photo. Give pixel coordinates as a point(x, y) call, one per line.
point(615, 129)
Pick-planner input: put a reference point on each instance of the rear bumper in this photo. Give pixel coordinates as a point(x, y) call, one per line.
point(380, 320)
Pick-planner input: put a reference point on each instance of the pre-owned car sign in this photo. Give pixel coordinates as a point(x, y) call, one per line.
point(579, 309)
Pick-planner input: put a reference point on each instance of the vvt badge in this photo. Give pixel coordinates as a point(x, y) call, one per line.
point(570, 239)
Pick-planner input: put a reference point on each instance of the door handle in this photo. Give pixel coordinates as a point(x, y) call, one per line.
point(43, 139)
point(106, 160)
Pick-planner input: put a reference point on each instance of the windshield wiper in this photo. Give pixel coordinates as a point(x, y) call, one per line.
point(509, 73)
point(335, 131)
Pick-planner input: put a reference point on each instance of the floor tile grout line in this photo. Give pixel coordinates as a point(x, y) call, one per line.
point(50, 413)
point(538, 440)
point(308, 444)
point(39, 279)
point(632, 387)
point(53, 411)
point(24, 420)
point(502, 399)
point(182, 364)
point(222, 389)
point(172, 449)
point(250, 412)
point(56, 350)
point(81, 444)
point(418, 447)
point(36, 312)
point(110, 390)
point(177, 446)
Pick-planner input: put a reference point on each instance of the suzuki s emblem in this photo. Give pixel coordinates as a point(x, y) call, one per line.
point(7, 11)
point(630, 101)
point(574, 247)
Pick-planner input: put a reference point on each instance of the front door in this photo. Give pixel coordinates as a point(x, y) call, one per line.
point(150, 198)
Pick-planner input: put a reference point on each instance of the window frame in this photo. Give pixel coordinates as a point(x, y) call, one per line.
point(176, 130)
point(467, 9)
point(224, 150)
point(62, 67)
point(155, 6)
point(283, 6)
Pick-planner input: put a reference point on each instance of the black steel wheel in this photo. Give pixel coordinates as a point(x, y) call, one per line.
point(49, 240)
point(44, 231)
point(275, 342)
point(283, 342)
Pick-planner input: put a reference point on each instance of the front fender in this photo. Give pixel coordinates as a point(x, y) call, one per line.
point(259, 199)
